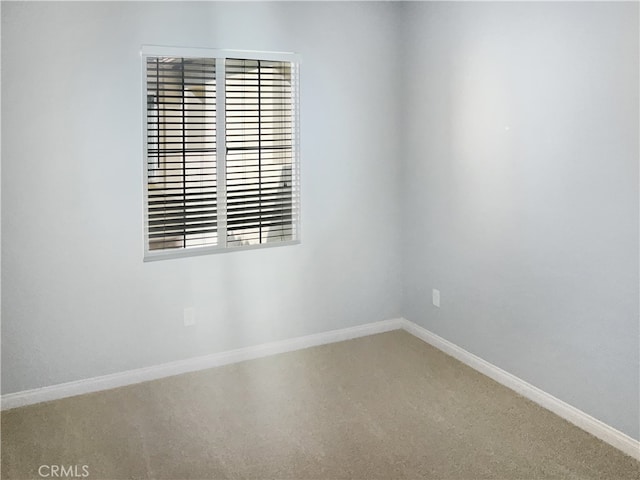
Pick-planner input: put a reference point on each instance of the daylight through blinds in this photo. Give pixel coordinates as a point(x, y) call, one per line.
point(222, 185)
point(259, 141)
point(181, 152)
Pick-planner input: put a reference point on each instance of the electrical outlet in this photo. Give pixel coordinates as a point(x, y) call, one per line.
point(435, 297)
point(189, 316)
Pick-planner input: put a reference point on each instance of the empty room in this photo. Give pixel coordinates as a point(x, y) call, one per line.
point(320, 240)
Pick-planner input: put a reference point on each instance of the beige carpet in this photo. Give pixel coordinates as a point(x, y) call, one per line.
point(386, 406)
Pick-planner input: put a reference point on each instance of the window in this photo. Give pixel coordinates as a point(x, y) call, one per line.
point(221, 150)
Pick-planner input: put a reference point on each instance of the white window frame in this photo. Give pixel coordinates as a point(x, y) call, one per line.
point(220, 55)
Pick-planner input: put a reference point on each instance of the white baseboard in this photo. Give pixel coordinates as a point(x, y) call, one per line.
point(129, 377)
point(579, 418)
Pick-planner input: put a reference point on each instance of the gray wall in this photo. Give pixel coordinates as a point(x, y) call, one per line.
point(78, 300)
point(521, 192)
point(488, 150)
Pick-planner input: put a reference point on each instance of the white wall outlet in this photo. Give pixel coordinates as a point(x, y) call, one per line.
point(435, 297)
point(189, 316)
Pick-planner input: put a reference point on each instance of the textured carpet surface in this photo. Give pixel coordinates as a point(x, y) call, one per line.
point(381, 407)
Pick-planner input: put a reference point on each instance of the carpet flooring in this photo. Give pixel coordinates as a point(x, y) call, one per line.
point(386, 406)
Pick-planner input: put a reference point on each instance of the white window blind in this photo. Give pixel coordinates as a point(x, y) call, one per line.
point(181, 153)
point(259, 151)
point(221, 153)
